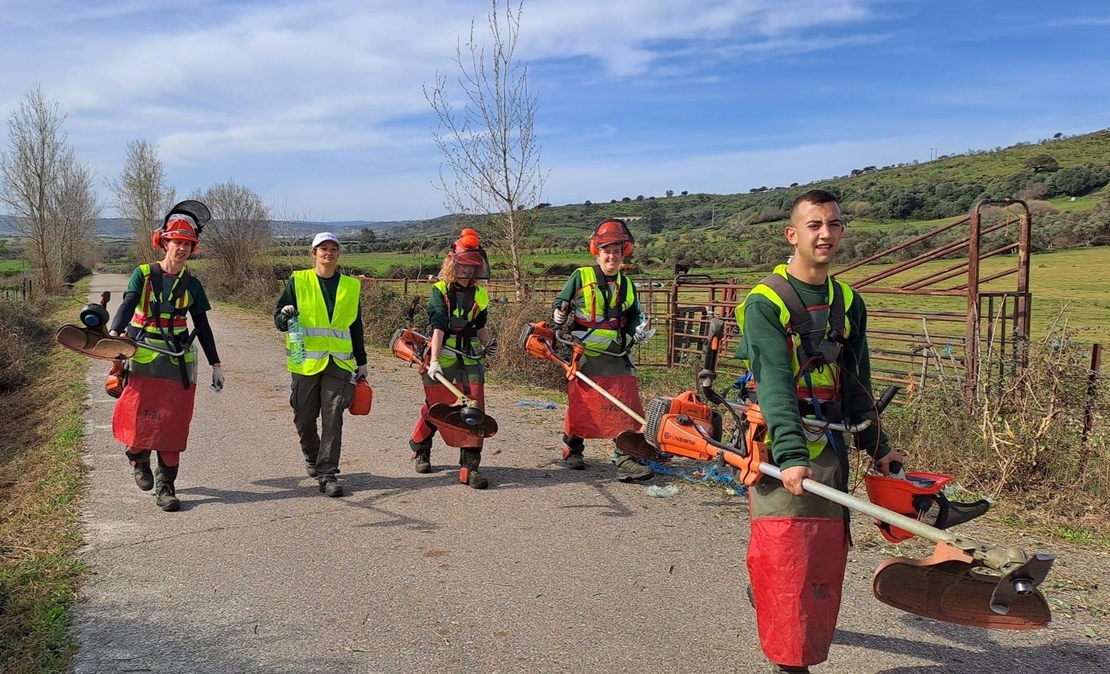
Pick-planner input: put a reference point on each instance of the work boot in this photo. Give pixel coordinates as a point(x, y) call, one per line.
point(330, 487)
point(573, 458)
point(421, 456)
point(140, 464)
point(629, 469)
point(469, 460)
point(310, 469)
point(165, 496)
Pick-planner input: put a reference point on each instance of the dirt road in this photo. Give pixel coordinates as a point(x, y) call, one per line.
point(550, 570)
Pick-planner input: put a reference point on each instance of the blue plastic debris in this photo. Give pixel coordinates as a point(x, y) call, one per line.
point(544, 405)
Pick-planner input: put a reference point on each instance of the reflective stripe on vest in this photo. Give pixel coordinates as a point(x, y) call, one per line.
point(824, 380)
point(590, 324)
point(324, 338)
point(450, 338)
point(167, 321)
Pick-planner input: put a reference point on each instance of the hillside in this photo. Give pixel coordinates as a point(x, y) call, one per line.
point(875, 198)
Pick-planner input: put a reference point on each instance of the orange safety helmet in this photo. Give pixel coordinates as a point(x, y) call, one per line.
point(612, 231)
point(470, 258)
point(184, 222)
point(912, 497)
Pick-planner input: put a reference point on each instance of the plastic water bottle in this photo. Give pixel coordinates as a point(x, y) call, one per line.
point(296, 341)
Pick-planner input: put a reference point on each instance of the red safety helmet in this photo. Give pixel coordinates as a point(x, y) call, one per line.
point(184, 222)
point(612, 231)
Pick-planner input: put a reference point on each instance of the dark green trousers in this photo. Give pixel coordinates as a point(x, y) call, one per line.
point(324, 395)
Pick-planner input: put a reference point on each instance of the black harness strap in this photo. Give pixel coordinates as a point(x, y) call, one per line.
point(816, 343)
point(159, 305)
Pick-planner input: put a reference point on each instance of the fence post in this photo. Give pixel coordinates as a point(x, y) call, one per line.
point(1089, 411)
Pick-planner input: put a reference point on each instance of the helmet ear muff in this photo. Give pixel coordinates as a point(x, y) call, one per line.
point(156, 238)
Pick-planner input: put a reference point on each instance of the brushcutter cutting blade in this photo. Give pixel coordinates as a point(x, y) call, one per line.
point(950, 587)
point(636, 445)
point(95, 344)
point(462, 419)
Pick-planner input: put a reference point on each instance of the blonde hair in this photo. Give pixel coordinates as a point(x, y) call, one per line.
point(447, 270)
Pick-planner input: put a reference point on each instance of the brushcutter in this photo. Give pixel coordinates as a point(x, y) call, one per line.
point(464, 416)
point(538, 339)
point(963, 581)
point(91, 338)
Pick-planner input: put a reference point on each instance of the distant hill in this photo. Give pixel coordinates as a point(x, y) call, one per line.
point(914, 191)
point(115, 228)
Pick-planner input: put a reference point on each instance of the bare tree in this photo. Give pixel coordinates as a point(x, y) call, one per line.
point(490, 144)
point(47, 191)
point(74, 209)
point(240, 232)
point(141, 196)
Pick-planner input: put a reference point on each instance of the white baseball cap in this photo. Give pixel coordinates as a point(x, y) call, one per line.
point(322, 237)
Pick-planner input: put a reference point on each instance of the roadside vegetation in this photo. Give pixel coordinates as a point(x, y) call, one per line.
point(42, 393)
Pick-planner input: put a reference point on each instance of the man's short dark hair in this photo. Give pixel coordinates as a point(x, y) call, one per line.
point(815, 197)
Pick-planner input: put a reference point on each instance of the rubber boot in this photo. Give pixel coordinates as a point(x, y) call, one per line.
point(573, 450)
point(164, 492)
point(469, 460)
point(140, 463)
point(628, 469)
point(421, 455)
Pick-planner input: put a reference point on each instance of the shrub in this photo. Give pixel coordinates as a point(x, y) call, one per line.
point(1076, 181)
point(511, 364)
point(23, 338)
point(383, 312)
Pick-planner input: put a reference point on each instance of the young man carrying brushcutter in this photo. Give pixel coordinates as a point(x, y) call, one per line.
point(457, 313)
point(599, 306)
point(327, 309)
point(155, 408)
point(799, 541)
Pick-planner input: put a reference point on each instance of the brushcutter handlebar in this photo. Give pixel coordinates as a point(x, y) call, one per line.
point(818, 425)
point(573, 341)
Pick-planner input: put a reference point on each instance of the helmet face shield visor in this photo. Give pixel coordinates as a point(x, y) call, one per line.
point(471, 264)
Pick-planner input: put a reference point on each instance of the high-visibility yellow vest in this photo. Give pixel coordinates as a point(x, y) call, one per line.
point(823, 384)
point(324, 338)
point(597, 323)
point(155, 321)
point(461, 319)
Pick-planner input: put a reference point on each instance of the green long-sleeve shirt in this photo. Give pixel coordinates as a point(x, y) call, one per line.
point(571, 293)
point(438, 315)
point(329, 287)
point(764, 346)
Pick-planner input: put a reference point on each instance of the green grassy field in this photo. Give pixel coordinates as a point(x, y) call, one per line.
point(12, 266)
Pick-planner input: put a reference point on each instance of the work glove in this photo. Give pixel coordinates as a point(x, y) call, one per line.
point(641, 335)
point(360, 372)
point(289, 311)
point(559, 317)
point(434, 368)
point(492, 347)
point(217, 378)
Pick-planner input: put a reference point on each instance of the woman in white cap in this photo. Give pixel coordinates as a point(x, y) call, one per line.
point(328, 307)
point(156, 406)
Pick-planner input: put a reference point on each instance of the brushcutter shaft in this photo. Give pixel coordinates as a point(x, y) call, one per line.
point(866, 507)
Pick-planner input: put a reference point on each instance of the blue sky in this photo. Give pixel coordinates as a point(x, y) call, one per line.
point(318, 105)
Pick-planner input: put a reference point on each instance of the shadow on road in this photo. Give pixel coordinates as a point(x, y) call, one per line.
point(976, 650)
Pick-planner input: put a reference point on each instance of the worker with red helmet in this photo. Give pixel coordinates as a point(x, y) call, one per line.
point(599, 308)
point(155, 409)
point(457, 313)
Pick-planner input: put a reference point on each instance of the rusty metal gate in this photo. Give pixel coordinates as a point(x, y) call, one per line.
point(926, 319)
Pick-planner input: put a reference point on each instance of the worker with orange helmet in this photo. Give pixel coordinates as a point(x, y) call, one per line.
point(155, 408)
point(599, 308)
point(457, 313)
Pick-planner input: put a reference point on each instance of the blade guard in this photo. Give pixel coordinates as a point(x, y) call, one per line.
point(94, 343)
point(469, 420)
point(950, 586)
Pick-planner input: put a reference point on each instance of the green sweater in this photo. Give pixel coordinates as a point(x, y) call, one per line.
point(764, 346)
point(329, 287)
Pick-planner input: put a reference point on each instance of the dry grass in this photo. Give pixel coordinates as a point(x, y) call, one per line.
point(41, 475)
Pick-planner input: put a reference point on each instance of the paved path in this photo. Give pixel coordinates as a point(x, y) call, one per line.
point(548, 571)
